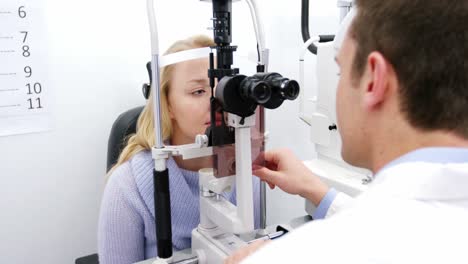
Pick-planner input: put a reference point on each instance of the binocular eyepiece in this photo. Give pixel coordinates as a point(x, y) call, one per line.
point(253, 90)
point(240, 94)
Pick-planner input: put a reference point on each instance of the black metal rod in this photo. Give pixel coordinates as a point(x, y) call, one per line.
point(305, 26)
point(162, 211)
point(211, 75)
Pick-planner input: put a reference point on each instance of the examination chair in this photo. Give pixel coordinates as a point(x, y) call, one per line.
point(123, 126)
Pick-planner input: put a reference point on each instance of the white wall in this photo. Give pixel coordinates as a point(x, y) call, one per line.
point(52, 182)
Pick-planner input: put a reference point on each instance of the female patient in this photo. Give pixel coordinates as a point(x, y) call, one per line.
point(127, 219)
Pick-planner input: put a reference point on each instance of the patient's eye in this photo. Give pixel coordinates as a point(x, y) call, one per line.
point(199, 92)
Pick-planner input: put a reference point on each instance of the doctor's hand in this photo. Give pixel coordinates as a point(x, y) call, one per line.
point(285, 170)
point(244, 252)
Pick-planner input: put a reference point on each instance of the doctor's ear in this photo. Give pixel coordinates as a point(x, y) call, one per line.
point(378, 79)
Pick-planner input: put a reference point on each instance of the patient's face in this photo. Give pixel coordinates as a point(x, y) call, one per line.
point(189, 100)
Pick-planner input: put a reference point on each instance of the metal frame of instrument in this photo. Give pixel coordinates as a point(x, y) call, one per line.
point(221, 222)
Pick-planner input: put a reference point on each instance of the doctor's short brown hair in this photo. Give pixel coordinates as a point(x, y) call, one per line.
point(426, 41)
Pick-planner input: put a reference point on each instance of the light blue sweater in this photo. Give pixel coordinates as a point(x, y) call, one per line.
point(126, 224)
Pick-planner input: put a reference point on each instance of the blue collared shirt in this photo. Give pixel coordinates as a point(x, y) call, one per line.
point(431, 154)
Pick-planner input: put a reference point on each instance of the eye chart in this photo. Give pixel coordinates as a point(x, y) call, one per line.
point(25, 96)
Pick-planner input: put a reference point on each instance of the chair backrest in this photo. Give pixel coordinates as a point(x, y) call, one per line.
point(123, 126)
point(91, 259)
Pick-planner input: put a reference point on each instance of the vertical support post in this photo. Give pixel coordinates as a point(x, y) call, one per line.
point(244, 176)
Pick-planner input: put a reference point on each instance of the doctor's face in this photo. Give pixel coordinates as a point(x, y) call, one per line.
point(350, 115)
point(189, 100)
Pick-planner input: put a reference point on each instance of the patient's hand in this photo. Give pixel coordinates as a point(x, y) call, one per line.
point(246, 251)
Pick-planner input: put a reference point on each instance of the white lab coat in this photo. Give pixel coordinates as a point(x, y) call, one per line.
point(415, 212)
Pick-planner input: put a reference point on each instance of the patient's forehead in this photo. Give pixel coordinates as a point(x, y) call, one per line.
point(192, 67)
point(190, 73)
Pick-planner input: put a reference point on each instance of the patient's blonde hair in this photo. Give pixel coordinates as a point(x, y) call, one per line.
point(144, 137)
